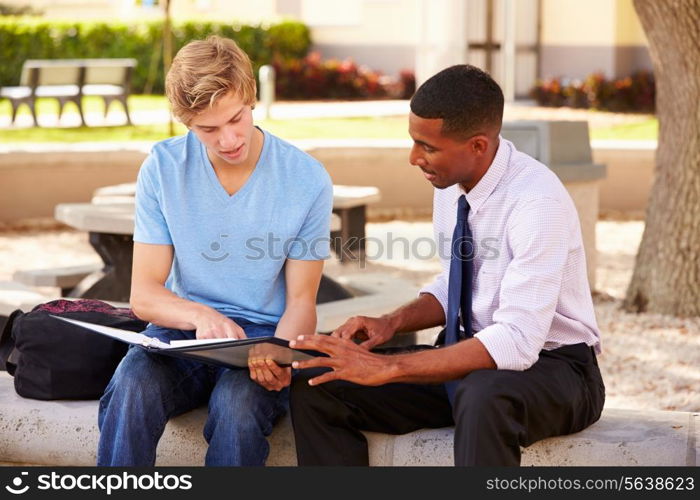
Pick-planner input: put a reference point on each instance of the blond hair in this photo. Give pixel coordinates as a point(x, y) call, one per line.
point(204, 70)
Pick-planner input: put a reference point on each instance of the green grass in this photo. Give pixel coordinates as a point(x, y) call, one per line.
point(647, 130)
point(88, 134)
point(386, 128)
point(322, 128)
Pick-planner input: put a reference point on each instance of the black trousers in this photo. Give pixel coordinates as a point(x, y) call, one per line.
point(495, 411)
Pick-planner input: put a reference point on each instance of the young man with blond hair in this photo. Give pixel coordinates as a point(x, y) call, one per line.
point(232, 226)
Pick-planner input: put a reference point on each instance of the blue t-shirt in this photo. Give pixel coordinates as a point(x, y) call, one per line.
point(230, 250)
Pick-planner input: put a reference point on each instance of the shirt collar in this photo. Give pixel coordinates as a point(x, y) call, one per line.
point(483, 189)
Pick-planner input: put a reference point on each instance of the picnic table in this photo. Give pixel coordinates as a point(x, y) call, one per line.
point(349, 204)
point(109, 220)
point(111, 229)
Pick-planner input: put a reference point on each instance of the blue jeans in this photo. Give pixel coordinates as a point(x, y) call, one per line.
point(148, 389)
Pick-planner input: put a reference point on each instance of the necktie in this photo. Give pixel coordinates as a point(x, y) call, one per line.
point(459, 294)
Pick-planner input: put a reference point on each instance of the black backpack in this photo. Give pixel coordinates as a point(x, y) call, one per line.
point(52, 359)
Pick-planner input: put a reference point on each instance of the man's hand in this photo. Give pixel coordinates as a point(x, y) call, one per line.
point(269, 374)
point(211, 324)
point(374, 331)
point(348, 361)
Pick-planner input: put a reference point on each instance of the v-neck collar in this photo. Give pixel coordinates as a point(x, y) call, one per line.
point(216, 183)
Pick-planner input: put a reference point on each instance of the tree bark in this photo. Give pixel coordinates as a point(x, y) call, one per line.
point(666, 276)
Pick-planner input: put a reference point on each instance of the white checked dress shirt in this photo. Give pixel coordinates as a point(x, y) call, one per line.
point(530, 290)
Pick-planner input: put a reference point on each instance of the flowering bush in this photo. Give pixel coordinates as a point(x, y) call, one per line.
point(632, 93)
point(313, 78)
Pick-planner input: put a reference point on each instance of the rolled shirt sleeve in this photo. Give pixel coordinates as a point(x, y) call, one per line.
point(438, 289)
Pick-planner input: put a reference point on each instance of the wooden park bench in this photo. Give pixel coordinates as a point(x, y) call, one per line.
point(68, 80)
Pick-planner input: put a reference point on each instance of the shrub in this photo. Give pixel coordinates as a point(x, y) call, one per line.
point(633, 93)
point(34, 38)
point(314, 78)
point(407, 79)
point(548, 93)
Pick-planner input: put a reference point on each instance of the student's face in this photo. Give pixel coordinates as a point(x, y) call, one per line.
point(444, 160)
point(226, 130)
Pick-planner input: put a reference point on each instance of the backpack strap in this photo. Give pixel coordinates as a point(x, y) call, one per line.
point(7, 343)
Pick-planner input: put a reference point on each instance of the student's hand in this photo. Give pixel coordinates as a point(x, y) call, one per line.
point(269, 374)
point(347, 360)
point(374, 331)
point(211, 324)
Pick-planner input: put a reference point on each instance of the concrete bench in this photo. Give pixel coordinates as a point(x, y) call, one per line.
point(15, 295)
point(64, 433)
point(68, 80)
point(65, 278)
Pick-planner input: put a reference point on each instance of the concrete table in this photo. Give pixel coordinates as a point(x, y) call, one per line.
point(111, 230)
point(349, 204)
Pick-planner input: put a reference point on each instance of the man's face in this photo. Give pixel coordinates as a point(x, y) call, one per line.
point(444, 160)
point(226, 130)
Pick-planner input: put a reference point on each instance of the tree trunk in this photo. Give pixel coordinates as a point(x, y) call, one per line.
point(666, 275)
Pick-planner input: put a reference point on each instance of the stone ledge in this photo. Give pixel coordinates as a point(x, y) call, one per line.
point(61, 277)
point(14, 295)
point(64, 433)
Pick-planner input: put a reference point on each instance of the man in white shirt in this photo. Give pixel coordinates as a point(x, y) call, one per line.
point(514, 272)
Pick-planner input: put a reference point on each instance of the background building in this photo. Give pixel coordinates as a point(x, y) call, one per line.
point(517, 41)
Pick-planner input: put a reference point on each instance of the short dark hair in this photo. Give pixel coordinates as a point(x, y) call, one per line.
point(465, 97)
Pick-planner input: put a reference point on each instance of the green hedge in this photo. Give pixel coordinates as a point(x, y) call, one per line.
point(35, 38)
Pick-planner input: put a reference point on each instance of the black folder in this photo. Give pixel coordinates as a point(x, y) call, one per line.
point(229, 353)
